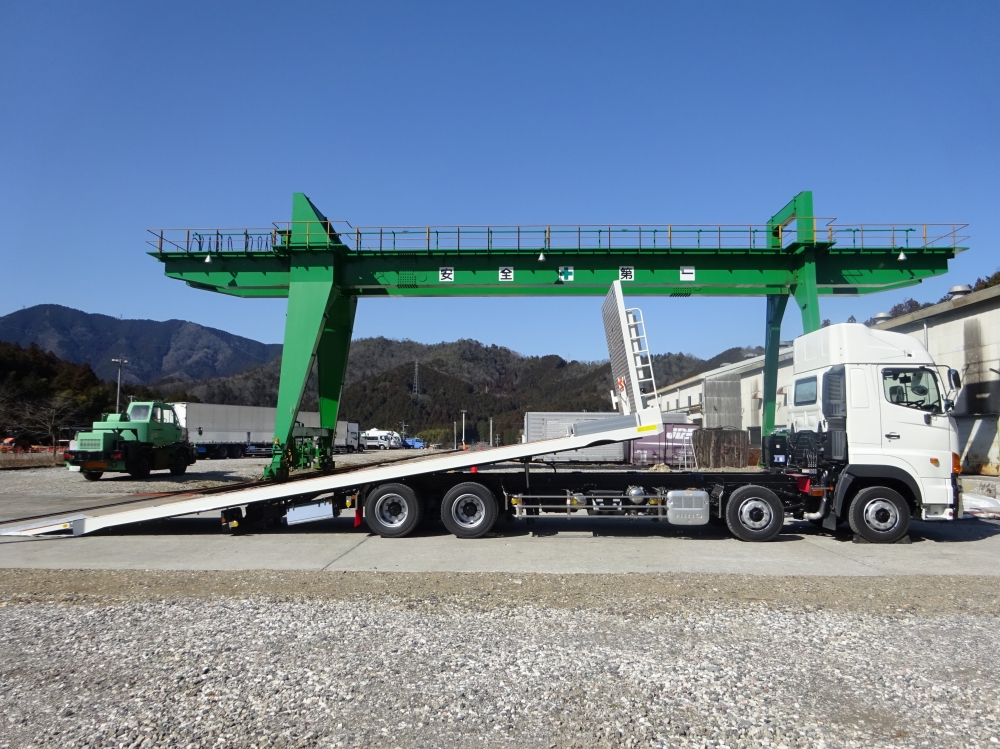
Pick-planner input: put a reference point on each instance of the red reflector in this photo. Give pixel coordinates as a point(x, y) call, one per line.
point(67, 456)
point(804, 482)
point(116, 456)
point(475, 469)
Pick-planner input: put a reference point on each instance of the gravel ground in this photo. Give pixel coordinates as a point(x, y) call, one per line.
point(318, 659)
point(204, 474)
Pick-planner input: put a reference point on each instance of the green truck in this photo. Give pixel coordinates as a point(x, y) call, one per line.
point(148, 437)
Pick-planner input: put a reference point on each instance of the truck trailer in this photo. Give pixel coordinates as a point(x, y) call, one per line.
point(871, 443)
point(218, 431)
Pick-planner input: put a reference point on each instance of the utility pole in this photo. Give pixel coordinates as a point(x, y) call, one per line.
point(454, 425)
point(463, 428)
point(416, 379)
point(491, 431)
point(121, 362)
point(403, 426)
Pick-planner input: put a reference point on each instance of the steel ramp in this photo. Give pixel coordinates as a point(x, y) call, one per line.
point(583, 435)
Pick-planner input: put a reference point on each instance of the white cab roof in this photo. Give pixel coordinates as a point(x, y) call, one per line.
point(853, 343)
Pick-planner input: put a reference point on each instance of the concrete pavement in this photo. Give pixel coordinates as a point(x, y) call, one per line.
point(555, 545)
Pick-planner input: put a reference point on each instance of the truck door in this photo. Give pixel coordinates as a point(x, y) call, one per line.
point(156, 426)
point(914, 427)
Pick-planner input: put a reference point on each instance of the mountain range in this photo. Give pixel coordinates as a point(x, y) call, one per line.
point(173, 349)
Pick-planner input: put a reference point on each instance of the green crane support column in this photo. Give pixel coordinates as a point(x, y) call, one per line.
point(772, 341)
point(804, 289)
point(805, 292)
point(311, 294)
point(331, 362)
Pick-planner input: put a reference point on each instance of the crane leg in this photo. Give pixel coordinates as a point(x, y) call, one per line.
point(331, 366)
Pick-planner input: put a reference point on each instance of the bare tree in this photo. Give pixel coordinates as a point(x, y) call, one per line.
point(50, 417)
point(10, 406)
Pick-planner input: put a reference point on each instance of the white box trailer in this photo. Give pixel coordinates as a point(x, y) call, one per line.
point(348, 437)
point(547, 425)
point(219, 431)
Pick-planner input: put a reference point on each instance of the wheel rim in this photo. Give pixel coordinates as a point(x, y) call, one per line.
point(391, 510)
point(881, 515)
point(755, 514)
point(468, 510)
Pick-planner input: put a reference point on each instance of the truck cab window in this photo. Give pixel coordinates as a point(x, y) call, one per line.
point(139, 413)
point(157, 415)
point(805, 391)
point(912, 388)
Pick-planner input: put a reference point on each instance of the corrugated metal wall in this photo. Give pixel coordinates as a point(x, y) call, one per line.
point(723, 406)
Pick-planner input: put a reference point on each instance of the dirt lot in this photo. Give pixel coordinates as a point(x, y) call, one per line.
point(122, 658)
point(204, 474)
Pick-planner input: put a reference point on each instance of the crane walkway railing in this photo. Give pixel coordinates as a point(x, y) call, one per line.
point(569, 238)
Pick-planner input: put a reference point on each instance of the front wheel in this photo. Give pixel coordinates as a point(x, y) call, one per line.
point(469, 510)
point(393, 510)
point(93, 475)
point(141, 467)
point(180, 464)
point(880, 515)
point(754, 513)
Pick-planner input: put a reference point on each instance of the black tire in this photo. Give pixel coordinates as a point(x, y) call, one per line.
point(235, 451)
point(393, 510)
point(469, 510)
point(220, 452)
point(180, 464)
point(141, 466)
point(754, 513)
point(93, 475)
point(880, 515)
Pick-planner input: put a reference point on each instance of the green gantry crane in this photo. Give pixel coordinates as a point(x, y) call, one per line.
point(324, 266)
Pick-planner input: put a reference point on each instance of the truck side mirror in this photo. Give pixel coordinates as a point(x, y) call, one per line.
point(954, 381)
point(949, 405)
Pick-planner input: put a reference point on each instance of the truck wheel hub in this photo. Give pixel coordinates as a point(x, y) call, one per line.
point(881, 515)
point(468, 510)
point(391, 510)
point(755, 514)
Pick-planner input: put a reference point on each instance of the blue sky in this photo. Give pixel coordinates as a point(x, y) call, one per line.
point(119, 117)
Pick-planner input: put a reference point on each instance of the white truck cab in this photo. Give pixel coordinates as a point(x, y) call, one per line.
point(870, 408)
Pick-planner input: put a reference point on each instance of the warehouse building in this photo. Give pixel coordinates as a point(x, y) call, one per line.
point(962, 333)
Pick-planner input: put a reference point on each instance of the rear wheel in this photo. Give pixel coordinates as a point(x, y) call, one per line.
point(93, 475)
point(140, 467)
point(754, 513)
point(235, 451)
point(469, 510)
point(180, 464)
point(880, 515)
point(393, 510)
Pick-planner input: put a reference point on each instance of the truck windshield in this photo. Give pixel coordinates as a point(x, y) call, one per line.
point(912, 388)
point(138, 413)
